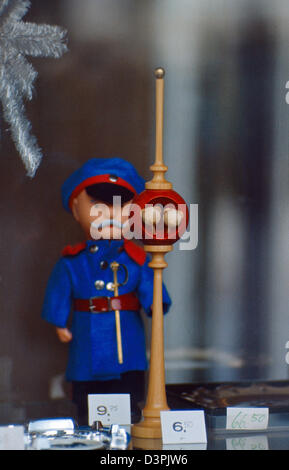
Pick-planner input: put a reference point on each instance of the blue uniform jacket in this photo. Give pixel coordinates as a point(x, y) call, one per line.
point(93, 349)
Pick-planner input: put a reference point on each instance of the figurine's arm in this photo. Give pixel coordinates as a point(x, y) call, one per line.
point(145, 290)
point(57, 301)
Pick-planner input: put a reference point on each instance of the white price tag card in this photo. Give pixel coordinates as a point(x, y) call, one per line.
point(109, 408)
point(11, 437)
point(183, 426)
point(247, 418)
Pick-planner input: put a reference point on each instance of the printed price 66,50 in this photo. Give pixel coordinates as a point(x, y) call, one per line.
point(247, 418)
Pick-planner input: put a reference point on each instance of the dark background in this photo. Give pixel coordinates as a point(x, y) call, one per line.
point(98, 101)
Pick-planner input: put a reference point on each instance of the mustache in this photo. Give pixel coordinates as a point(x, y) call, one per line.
point(108, 223)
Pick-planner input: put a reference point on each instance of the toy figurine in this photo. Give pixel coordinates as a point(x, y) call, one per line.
point(97, 288)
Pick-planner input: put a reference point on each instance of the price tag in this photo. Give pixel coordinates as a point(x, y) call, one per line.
point(247, 418)
point(11, 437)
point(184, 426)
point(109, 409)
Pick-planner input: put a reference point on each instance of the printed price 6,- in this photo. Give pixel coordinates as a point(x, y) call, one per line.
point(183, 426)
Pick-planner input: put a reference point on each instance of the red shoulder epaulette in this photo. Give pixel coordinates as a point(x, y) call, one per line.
point(136, 252)
point(71, 250)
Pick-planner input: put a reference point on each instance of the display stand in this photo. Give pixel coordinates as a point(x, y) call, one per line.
point(157, 190)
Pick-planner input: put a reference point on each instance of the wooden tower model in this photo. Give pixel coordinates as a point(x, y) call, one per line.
point(163, 219)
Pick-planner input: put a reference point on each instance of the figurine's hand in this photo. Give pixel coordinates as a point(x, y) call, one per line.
point(64, 334)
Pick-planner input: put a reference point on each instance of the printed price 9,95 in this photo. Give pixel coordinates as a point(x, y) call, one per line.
point(109, 408)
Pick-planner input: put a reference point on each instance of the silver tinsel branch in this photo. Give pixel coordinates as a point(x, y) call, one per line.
point(18, 39)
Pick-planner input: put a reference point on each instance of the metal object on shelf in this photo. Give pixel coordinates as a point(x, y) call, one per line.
point(64, 434)
point(215, 398)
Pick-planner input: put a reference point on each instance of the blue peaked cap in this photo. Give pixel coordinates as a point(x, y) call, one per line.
point(101, 170)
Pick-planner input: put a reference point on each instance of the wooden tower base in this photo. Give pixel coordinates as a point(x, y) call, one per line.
point(150, 425)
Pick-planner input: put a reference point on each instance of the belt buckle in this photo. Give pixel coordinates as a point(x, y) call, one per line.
point(91, 306)
point(109, 304)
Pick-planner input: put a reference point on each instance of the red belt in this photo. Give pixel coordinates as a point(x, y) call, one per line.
point(107, 304)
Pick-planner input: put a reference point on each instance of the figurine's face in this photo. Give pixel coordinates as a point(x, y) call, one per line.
point(100, 220)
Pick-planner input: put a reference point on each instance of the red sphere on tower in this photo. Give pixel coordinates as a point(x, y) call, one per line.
point(161, 216)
